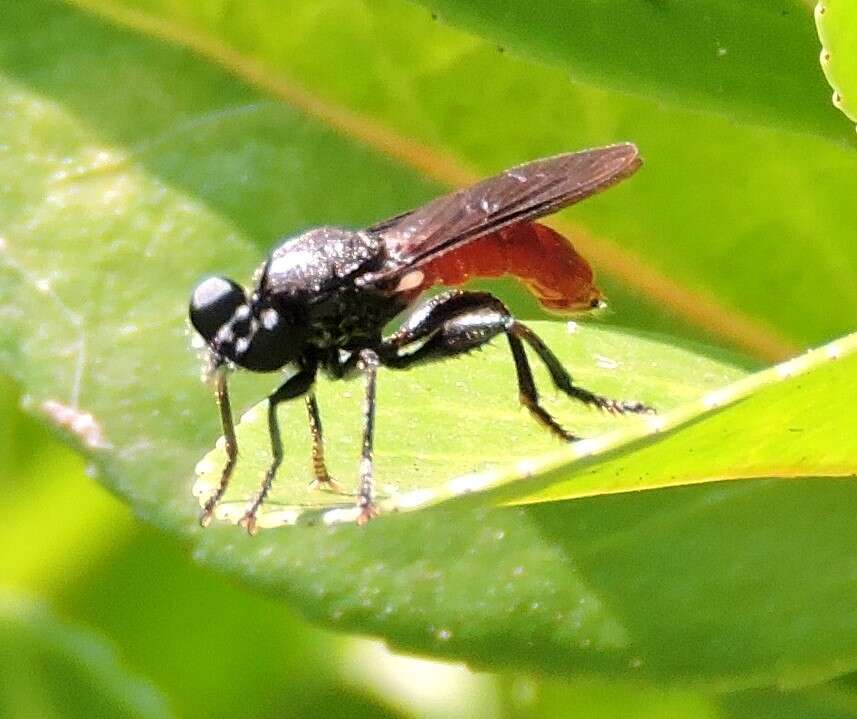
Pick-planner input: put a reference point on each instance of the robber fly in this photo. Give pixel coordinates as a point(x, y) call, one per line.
point(321, 300)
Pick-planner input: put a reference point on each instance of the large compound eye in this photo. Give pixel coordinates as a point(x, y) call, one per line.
point(213, 305)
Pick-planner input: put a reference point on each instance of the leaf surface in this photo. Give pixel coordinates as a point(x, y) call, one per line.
point(836, 22)
point(133, 167)
point(749, 60)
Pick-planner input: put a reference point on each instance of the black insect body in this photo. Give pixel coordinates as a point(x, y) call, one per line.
point(320, 301)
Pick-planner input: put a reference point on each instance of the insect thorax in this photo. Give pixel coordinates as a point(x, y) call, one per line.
point(316, 272)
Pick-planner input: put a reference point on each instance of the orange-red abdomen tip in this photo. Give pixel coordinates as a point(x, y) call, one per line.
point(539, 257)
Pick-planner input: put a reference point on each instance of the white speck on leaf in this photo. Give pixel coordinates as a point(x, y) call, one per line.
point(606, 362)
point(83, 424)
point(713, 399)
point(655, 423)
point(787, 369)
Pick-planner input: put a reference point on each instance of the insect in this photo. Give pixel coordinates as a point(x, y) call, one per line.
point(321, 299)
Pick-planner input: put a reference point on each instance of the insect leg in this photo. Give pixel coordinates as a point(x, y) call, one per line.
point(563, 381)
point(528, 395)
point(319, 468)
point(449, 324)
point(458, 322)
point(222, 396)
point(295, 386)
point(366, 489)
point(426, 319)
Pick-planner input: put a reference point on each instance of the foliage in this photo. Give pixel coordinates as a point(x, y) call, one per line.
point(50, 668)
point(837, 29)
point(149, 142)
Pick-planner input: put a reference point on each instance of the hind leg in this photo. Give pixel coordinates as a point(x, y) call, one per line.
point(563, 381)
point(456, 322)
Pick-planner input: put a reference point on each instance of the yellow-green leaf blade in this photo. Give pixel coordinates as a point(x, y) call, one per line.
point(749, 60)
point(836, 21)
point(718, 584)
point(122, 187)
point(793, 420)
point(178, 170)
point(651, 584)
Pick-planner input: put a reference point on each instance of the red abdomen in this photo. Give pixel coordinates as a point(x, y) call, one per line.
point(539, 257)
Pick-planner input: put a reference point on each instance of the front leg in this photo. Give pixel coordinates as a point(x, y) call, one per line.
point(222, 395)
point(296, 386)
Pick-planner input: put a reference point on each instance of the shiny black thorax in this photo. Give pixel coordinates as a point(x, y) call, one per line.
point(312, 283)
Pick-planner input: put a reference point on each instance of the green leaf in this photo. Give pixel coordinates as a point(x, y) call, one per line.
point(780, 423)
point(133, 167)
point(490, 442)
point(832, 701)
point(112, 219)
point(50, 668)
point(750, 60)
point(646, 583)
point(597, 699)
point(837, 29)
point(730, 584)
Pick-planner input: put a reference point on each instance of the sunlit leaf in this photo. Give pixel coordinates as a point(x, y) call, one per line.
point(749, 60)
point(132, 167)
point(837, 29)
point(793, 420)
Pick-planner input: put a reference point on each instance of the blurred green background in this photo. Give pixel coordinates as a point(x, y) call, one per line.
point(237, 122)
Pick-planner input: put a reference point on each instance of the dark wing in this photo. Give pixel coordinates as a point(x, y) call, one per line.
point(520, 194)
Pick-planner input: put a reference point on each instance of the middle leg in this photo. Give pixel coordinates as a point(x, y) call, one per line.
point(322, 479)
point(297, 385)
point(368, 363)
